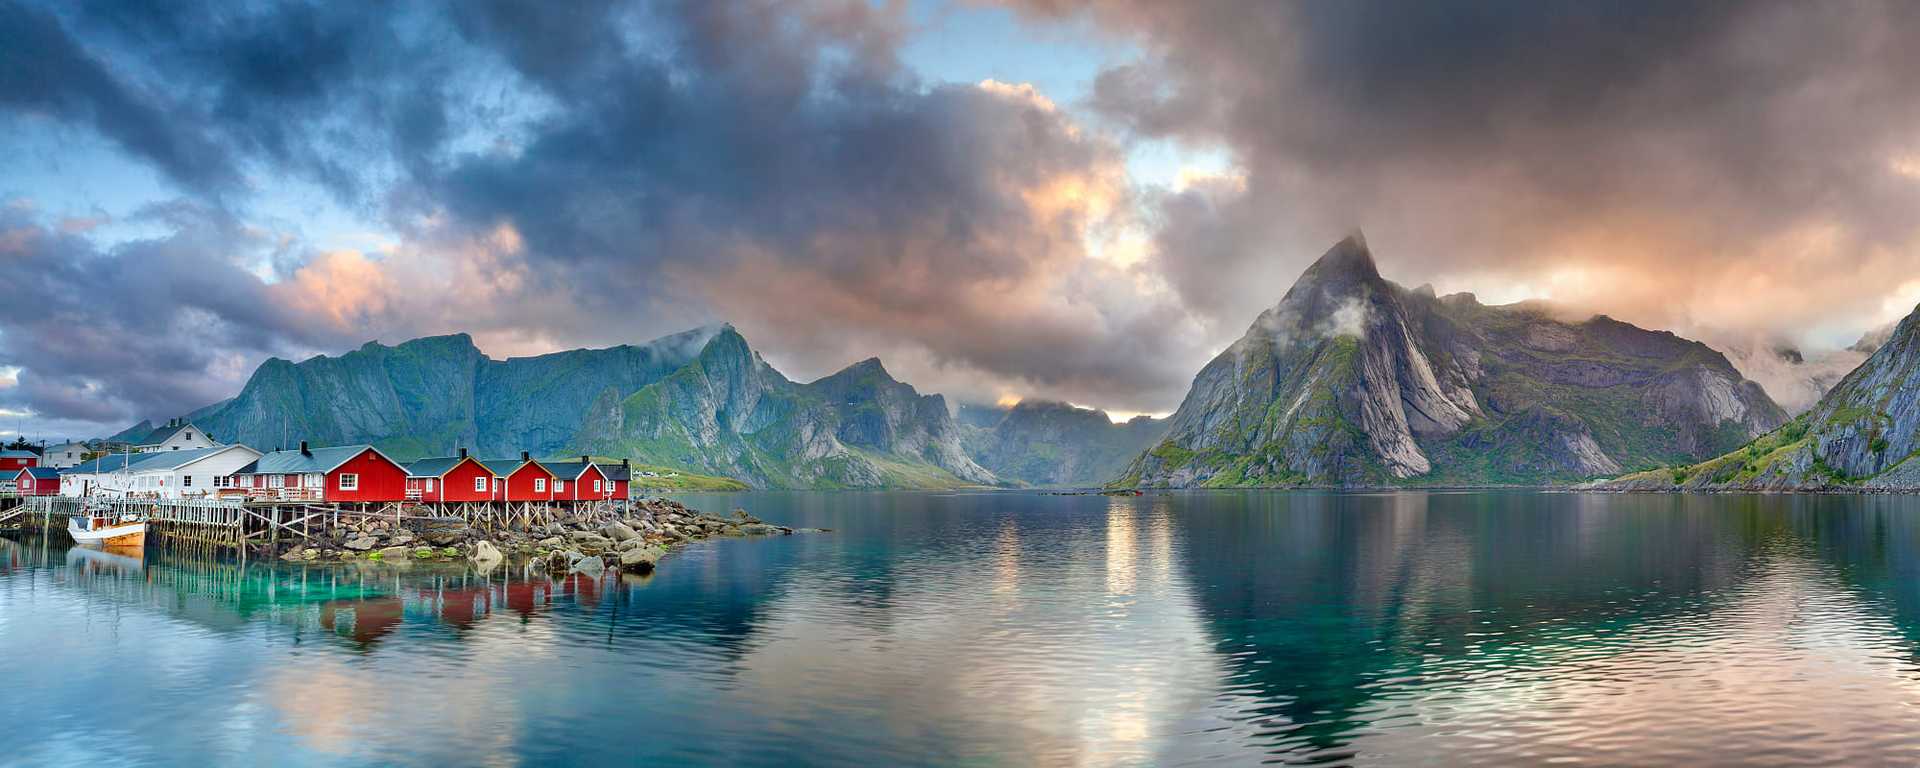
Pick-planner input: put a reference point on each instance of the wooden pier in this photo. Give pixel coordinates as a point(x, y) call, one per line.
point(246, 524)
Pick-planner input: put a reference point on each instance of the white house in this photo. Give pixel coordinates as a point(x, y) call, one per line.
point(64, 455)
point(177, 435)
point(165, 475)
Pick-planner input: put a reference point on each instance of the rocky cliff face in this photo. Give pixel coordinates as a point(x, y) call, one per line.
point(427, 396)
point(1354, 381)
point(1055, 444)
point(729, 413)
point(1862, 435)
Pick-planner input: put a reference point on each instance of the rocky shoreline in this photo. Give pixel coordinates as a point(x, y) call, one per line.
point(635, 543)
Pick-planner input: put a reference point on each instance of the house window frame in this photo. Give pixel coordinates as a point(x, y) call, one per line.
point(559, 486)
point(539, 485)
point(596, 485)
point(429, 487)
point(480, 484)
point(349, 481)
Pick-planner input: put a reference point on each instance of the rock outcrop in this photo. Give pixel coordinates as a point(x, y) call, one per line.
point(1352, 381)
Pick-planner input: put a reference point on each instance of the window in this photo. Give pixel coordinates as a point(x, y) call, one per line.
point(596, 486)
point(349, 481)
point(429, 485)
point(479, 485)
point(559, 486)
point(189, 437)
point(539, 485)
point(496, 485)
point(186, 481)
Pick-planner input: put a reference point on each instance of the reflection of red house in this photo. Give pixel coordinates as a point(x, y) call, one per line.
point(450, 479)
point(463, 607)
point(372, 619)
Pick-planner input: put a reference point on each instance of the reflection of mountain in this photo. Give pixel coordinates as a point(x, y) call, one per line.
point(1324, 604)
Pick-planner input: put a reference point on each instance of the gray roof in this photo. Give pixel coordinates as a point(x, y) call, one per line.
point(315, 460)
point(504, 467)
point(566, 470)
point(435, 467)
point(115, 462)
point(615, 471)
point(18, 455)
point(161, 435)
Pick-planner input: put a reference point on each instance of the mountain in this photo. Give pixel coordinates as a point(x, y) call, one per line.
point(1353, 381)
point(430, 395)
point(1862, 435)
point(1794, 379)
point(1055, 444)
point(728, 412)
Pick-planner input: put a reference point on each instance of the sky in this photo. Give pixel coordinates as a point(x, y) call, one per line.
point(1080, 201)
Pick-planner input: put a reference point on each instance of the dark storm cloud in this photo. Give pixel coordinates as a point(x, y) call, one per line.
point(44, 70)
point(1660, 158)
point(590, 173)
point(143, 329)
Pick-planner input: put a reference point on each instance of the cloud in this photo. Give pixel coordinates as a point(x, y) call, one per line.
point(1704, 164)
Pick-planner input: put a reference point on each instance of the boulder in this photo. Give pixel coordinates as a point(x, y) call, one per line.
point(485, 552)
point(395, 554)
point(591, 566)
point(425, 552)
point(402, 537)
point(590, 542)
point(619, 531)
point(640, 559)
point(359, 543)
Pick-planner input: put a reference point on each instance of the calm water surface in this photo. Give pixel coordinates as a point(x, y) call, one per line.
point(1019, 629)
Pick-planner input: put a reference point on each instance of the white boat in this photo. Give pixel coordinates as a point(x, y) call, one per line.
point(99, 528)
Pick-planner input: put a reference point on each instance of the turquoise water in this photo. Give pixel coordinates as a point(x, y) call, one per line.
point(1019, 629)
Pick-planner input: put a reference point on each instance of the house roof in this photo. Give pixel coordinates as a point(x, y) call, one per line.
point(165, 433)
point(42, 473)
point(615, 472)
point(320, 460)
point(117, 462)
point(568, 470)
point(440, 466)
point(18, 455)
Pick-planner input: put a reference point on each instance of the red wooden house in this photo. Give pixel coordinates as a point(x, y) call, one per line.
point(351, 473)
point(14, 461)
point(38, 481)
point(620, 476)
point(580, 481)
point(521, 480)
point(450, 479)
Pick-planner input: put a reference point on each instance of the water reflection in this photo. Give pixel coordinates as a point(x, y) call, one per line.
point(1020, 629)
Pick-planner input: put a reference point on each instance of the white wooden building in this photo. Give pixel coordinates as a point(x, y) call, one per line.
point(171, 474)
point(177, 435)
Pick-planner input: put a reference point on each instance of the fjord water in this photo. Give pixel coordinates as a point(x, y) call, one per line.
point(1019, 629)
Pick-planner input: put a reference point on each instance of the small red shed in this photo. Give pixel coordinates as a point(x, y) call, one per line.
point(450, 479)
point(38, 481)
point(348, 473)
point(521, 480)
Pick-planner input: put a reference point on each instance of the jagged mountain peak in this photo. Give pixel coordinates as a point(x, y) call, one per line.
point(1351, 380)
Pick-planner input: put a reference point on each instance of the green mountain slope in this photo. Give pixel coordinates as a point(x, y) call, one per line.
point(1352, 381)
point(1043, 443)
point(1862, 435)
point(729, 413)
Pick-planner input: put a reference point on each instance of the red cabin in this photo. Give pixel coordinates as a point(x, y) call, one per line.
point(521, 480)
point(14, 461)
point(38, 481)
point(352, 473)
point(581, 481)
point(450, 479)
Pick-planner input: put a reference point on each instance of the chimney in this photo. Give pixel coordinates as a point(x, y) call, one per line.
point(626, 464)
point(463, 453)
point(585, 459)
point(303, 449)
point(525, 457)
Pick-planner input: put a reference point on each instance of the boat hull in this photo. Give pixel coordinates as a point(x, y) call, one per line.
point(126, 536)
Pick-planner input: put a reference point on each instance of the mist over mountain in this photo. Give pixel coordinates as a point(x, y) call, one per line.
point(1863, 434)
